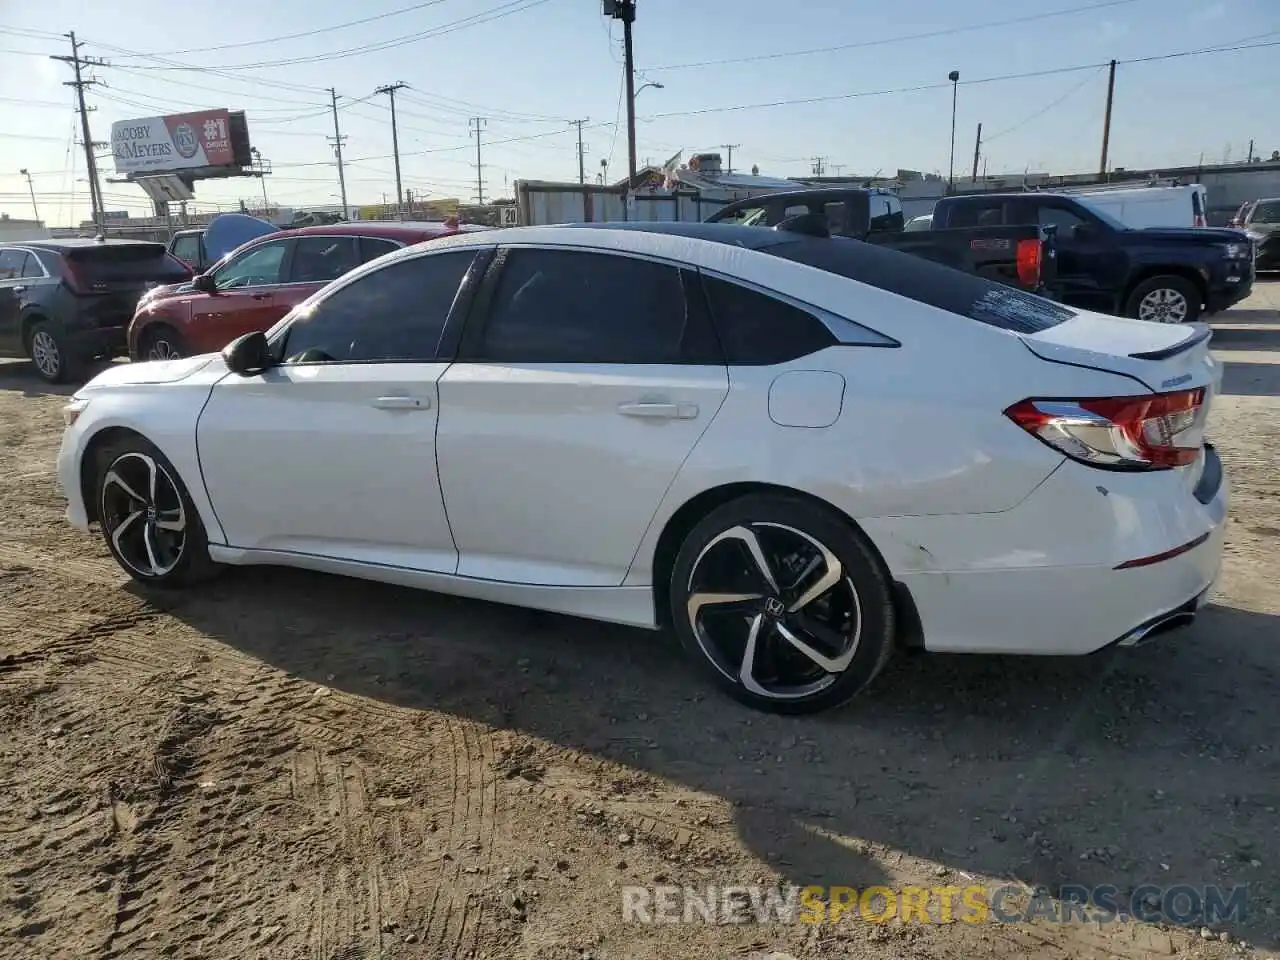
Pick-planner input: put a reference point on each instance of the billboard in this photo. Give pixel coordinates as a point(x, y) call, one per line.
point(182, 141)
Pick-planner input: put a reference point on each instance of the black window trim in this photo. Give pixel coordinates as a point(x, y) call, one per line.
point(450, 333)
point(841, 328)
point(471, 341)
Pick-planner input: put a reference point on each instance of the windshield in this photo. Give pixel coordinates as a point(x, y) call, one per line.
point(1267, 211)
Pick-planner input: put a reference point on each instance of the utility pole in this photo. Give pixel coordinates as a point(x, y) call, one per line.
point(729, 147)
point(977, 152)
point(475, 125)
point(625, 10)
point(337, 147)
point(390, 90)
point(1250, 160)
point(819, 166)
point(582, 170)
point(77, 61)
point(31, 187)
point(1106, 122)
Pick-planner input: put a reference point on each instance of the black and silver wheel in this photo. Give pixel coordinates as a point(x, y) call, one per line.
point(163, 343)
point(148, 521)
point(783, 602)
point(48, 352)
point(1167, 299)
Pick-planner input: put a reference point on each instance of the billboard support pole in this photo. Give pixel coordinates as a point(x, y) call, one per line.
point(91, 163)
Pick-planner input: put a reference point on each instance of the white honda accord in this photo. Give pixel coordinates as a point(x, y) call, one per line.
point(797, 452)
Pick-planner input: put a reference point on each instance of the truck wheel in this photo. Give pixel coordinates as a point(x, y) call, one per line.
point(1165, 299)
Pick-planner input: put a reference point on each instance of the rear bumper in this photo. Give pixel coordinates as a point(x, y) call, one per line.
point(1043, 579)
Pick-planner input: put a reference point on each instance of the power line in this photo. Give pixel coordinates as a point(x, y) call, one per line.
point(1047, 107)
point(828, 98)
point(484, 16)
point(902, 38)
point(298, 36)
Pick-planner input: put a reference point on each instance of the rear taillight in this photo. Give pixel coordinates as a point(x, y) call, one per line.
point(75, 277)
point(1151, 432)
point(1028, 258)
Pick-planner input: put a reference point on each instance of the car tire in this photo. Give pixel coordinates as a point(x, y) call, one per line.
point(50, 355)
point(1165, 299)
point(149, 523)
point(803, 615)
point(162, 342)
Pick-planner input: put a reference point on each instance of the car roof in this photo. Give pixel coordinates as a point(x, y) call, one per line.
point(752, 238)
point(71, 243)
point(396, 230)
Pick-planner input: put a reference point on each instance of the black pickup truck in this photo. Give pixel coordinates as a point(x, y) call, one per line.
point(1019, 255)
point(1167, 275)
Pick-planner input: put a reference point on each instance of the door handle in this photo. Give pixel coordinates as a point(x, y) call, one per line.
point(659, 410)
point(403, 403)
point(262, 296)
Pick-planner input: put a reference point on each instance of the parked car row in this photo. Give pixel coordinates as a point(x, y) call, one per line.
point(1260, 219)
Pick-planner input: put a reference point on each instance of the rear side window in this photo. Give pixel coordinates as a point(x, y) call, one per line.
point(371, 248)
point(321, 259)
point(756, 216)
point(11, 263)
point(31, 267)
point(929, 283)
point(978, 213)
point(563, 306)
point(125, 263)
point(187, 248)
point(885, 213)
point(756, 329)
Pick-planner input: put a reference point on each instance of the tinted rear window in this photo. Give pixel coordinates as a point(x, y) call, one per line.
point(926, 282)
point(142, 262)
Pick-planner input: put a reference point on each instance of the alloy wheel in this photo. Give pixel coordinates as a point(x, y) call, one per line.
point(1163, 305)
point(774, 610)
point(163, 349)
point(143, 514)
point(45, 354)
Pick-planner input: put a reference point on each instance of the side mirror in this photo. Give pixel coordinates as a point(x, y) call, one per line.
point(204, 283)
point(248, 354)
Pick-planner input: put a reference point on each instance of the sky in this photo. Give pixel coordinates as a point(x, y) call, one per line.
point(861, 84)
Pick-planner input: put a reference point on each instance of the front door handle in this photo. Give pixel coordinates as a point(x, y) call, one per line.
point(659, 410)
point(403, 403)
point(262, 296)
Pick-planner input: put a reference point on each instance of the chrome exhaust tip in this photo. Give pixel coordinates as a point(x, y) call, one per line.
point(1149, 631)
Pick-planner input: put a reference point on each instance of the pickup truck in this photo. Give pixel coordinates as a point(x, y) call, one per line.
point(1166, 275)
point(1018, 255)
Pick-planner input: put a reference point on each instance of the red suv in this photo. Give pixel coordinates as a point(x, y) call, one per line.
point(259, 282)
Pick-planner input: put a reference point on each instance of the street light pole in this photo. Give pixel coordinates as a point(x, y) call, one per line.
point(954, 77)
point(31, 187)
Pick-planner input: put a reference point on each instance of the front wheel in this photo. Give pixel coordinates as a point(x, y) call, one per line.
point(783, 602)
point(148, 520)
point(163, 343)
point(1166, 299)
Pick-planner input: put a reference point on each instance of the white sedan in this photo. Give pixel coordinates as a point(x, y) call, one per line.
point(798, 453)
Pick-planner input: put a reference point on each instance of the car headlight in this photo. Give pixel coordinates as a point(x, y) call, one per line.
point(71, 412)
point(1234, 251)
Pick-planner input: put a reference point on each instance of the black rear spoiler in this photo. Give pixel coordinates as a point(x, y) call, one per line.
point(1200, 332)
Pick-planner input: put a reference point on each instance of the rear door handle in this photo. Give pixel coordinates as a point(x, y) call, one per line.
point(262, 296)
point(403, 403)
point(659, 410)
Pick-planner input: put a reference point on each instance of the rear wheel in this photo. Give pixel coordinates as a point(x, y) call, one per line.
point(163, 343)
point(49, 353)
point(148, 520)
point(783, 603)
point(1165, 299)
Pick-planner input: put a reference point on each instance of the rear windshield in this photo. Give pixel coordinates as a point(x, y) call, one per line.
point(142, 262)
point(926, 282)
point(1267, 211)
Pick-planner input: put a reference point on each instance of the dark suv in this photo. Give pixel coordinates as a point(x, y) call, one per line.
point(66, 302)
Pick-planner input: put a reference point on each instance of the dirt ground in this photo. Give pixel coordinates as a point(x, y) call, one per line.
point(289, 765)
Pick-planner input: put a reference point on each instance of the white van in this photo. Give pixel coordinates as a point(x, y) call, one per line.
point(1151, 206)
